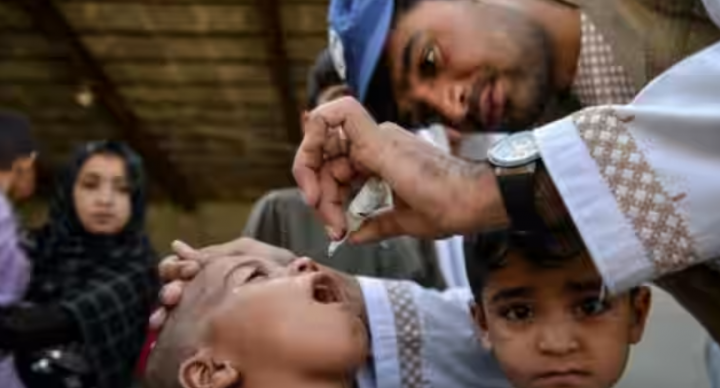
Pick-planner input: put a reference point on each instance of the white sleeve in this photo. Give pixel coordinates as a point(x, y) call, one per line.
point(423, 335)
point(713, 9)
point(642, 181)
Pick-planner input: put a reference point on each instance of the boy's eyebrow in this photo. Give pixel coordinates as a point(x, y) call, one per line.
point(584, 285)
point(511, 293)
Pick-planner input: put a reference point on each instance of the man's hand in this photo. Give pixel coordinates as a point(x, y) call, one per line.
point(185, 264)
point(436, 193)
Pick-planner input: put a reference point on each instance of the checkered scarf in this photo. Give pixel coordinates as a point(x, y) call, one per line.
point(108, 283)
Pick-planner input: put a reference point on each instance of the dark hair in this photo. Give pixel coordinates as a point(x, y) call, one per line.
point(322, 75)
point(486, 252)
point(15, 139)
point(402, 6)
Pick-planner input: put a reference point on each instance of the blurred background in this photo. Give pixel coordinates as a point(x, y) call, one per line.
point(208, 91)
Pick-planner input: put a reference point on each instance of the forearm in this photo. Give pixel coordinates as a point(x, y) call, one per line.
point(413, 168)
point(27, 328)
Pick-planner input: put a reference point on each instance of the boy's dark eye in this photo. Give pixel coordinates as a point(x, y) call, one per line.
point(593, 306)
point(517, 313)
point(428, 62)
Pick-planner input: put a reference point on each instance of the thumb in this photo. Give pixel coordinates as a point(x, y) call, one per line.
point(380, 227)
point(186, 252)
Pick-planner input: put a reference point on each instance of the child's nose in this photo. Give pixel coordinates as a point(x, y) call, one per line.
point(302, 265)
point(557, 340)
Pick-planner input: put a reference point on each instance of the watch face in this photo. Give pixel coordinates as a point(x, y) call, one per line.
point(515, 150)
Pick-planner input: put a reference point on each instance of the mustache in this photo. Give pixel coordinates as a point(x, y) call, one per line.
point(474, 114)
point(473, 117)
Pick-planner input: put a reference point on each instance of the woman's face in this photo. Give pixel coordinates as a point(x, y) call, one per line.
point(102, 195)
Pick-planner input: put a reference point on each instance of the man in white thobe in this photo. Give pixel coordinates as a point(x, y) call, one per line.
point(640, 181)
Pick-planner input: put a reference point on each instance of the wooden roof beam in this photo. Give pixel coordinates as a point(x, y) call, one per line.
point(280, 68)
point(50, 20)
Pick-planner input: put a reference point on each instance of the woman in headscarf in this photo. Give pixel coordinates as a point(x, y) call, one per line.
point(93, 282)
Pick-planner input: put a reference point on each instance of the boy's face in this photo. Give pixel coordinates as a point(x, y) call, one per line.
point(23, 183)
point(549, 327)
point(292, 318)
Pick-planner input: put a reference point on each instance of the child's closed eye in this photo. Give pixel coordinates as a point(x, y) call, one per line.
point(257, 274)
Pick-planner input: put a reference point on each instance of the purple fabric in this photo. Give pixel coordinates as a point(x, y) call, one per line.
point(14, 277)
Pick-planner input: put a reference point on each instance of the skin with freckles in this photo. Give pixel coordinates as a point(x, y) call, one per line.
point(324, 169)
point(549, 327)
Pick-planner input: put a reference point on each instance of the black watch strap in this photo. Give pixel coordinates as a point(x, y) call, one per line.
point(518, 192)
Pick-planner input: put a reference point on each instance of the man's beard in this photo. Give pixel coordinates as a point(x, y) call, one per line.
point(538, 81)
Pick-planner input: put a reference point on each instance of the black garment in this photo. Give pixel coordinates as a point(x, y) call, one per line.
point(107, 284)
point(36, 327)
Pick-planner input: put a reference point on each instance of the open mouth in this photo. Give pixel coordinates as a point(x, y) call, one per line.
point(325, 290)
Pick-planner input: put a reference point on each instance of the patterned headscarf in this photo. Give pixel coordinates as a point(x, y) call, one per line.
point(108, 283)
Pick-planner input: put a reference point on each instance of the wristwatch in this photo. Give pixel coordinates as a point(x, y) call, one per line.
point(515, 159)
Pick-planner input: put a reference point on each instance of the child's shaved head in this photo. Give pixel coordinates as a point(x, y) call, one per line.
point(182, 333)
point(249, 322)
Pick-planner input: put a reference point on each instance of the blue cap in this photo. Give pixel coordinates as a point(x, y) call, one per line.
point(358, 30)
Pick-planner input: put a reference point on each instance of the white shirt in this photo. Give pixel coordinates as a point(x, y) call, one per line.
point(424, 338)
point(642, 181)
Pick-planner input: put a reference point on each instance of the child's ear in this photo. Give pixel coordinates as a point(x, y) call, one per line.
point(640, 309)
point(202, 371)
point(478, 315)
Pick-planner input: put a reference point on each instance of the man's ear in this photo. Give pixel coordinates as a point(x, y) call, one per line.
point(640, 309)
point(480, 319)
point(202, 371)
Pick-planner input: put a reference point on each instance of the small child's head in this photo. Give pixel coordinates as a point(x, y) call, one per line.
point(249, 322)
point(546, 318)
point(17, 156)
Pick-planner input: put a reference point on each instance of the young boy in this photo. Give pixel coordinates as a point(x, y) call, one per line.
point(274, 324)
point(545, 316)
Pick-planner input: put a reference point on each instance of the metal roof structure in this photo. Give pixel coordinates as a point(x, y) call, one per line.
point(208, 91)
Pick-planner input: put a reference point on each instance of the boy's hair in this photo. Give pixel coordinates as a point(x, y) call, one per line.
point(15, 139)
point(181, 337)
point(485, 252)
point(321, 76)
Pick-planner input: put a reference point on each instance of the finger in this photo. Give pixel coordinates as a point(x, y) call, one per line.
point(171, 293)
point(309, 158)
point(341, 170)
point(346, 113)
point(186, 252)
point(391, 223)
point(331, 208)
point(169, 268)
point(158, 319)
point(337, 144)
point(190, 269)
point(376, 228)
